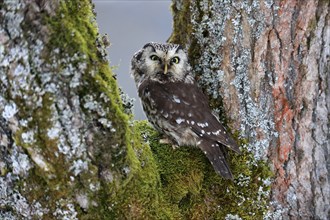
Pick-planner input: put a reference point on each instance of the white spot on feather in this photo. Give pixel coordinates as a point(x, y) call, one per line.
point(203, 125)
point(216, 132)
point(176, 99)
point(179, 120)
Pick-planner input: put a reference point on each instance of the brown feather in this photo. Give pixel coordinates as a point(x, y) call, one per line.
point(175, 102)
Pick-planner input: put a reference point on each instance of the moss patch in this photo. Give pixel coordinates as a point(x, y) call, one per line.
point(129, 175)
point(189, 183)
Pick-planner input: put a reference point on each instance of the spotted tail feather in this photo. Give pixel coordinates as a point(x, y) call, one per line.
point(217, 158)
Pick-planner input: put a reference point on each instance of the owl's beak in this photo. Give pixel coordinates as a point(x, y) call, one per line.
point(165, 68)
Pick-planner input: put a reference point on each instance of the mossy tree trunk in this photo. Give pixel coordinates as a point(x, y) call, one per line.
point(66, 145)
point(269, 63)
point(68, 150)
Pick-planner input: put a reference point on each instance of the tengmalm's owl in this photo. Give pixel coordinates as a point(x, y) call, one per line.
point(176, 106)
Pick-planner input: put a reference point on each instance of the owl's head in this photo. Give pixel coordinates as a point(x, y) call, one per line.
point(162, 63)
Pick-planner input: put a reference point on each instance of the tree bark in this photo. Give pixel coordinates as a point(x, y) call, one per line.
point(62, 122)
point(269, 62)
point(68, 150)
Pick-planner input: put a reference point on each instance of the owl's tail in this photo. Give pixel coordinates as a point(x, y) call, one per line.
point(216, 155)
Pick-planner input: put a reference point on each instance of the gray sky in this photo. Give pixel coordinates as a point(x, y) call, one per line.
point(130, 25)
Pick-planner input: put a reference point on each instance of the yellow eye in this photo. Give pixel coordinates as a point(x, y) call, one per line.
point(154, 57)
point(175, 60)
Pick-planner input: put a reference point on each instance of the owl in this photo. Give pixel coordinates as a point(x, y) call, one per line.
point(176, 106)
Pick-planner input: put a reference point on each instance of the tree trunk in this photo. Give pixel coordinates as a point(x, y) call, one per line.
point(66, 144)
point(69, 150)
point(269, 62)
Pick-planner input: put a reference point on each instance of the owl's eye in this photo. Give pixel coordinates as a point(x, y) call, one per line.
point(175, 60)
point(154, 57)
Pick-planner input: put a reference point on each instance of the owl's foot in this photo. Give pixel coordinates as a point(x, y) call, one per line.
point(165, 141)
point(168, 141)
point(174, 146)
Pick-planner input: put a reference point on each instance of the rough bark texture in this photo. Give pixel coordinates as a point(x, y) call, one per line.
point(66, 145)
point(269, 62)
point(68, 150)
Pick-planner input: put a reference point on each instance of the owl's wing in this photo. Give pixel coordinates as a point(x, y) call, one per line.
point(185, 105)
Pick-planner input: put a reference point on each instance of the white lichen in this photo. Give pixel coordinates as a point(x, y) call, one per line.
point(42, 108)
point(127, 102)
point(19, 206)
point(53, 132)
point(94, 186)
point(209, 30)
point(20, 163)
point(82, 200)
point(9, 111)
point(28, 137)
point(78, 166)
point(232, 217)
point(253, 117)
point(277, 213)
point(105, 122)
point(65, 211)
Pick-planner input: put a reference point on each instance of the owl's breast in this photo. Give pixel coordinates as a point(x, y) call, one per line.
point(170, 106)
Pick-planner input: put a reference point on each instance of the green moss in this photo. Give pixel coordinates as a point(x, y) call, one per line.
point(74, 34)
point(132, 188)
point(139, 196)
point(189, 183)
point(182, 27)
point(183, 30)
point(143, 181)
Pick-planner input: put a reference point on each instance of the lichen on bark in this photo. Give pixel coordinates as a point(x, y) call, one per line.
point(270, 60)
point(66, 143)
point(69, 150)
